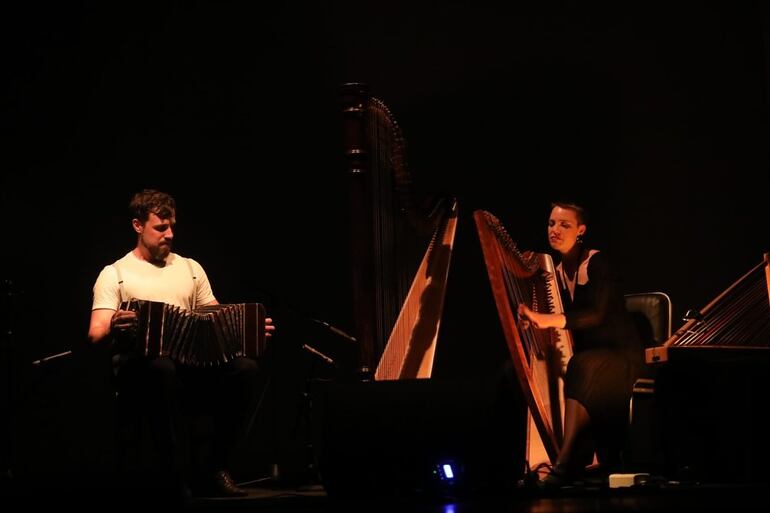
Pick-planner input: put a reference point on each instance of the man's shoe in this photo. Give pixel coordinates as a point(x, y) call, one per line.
point(224, 486)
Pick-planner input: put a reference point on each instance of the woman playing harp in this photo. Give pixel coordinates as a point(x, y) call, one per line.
point(608, 354)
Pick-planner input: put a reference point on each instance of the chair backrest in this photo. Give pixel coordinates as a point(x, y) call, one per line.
point(651, 312)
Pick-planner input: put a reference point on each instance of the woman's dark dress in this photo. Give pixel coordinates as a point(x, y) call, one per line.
point(608, 354)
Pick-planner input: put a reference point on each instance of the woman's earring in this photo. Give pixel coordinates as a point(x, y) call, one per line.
point(579, 239)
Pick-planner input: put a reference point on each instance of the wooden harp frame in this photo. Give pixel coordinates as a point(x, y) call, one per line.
point(502, 257)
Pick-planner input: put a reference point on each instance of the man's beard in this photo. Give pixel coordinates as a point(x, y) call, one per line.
point(161, 252)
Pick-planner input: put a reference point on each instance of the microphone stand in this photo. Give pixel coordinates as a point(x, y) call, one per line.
point(9, 294)
point(305, 409)
point(304, 401)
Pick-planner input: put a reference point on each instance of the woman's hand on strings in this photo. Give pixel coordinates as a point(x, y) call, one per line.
point(525, 319)
point(540, 320)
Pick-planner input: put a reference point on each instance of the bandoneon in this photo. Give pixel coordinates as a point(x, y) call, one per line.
point(206, 336)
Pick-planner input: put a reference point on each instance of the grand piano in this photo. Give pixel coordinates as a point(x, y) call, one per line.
point(711, 388)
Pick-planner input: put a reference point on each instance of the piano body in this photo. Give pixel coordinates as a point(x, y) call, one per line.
point(711, 387)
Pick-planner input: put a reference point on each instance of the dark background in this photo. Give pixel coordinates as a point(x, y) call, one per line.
point(653, 116)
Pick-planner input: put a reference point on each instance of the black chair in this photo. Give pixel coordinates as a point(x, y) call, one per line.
point(651, 312)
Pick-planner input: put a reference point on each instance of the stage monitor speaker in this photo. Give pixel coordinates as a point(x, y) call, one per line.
point(417, 438)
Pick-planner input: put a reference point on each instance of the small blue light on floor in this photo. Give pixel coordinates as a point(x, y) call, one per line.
point(448, 471)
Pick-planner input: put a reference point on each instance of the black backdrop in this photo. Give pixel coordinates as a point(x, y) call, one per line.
point(654, 116)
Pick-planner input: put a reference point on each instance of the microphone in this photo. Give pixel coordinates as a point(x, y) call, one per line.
point(319, 354)
point(47, 359)
point(335, 330)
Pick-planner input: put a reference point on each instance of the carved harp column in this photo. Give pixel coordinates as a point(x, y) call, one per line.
point(355, 100)
point(390, 229)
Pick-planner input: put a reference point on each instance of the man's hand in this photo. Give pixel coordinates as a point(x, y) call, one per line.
point(269, 327)
point(123, 321)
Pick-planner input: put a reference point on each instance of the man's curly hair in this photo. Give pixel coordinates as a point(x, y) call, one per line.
point(150, 201)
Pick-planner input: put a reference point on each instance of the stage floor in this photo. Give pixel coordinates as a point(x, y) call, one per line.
point(308, 498)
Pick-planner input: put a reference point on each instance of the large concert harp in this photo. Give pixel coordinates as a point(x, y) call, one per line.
point(401, 244)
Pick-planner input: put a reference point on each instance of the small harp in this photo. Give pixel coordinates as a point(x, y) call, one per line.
point(539, 357)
